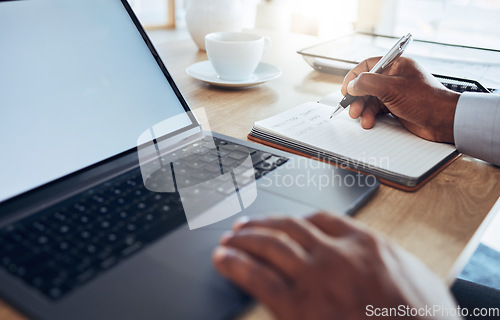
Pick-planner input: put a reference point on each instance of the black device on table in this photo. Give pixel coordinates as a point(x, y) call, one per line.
point(461, 85)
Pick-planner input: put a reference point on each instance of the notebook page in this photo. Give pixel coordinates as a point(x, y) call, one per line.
point(387, 146)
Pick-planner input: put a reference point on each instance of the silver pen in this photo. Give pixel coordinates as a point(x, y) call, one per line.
point(383, 63)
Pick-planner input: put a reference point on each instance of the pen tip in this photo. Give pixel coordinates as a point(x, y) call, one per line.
point(331, 117)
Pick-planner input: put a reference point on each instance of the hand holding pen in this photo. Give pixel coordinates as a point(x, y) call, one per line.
point(412, 95)
point(383, 63)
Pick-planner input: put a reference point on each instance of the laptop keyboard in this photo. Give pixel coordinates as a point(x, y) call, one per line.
point(67, 245)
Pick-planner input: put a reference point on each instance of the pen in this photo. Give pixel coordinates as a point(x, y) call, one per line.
point(385, 61)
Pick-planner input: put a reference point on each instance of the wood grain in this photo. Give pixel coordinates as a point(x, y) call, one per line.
point(436, 223)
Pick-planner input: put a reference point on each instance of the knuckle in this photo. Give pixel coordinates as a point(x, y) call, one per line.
point(348, 77)
point(402, 64)
point(363, 80)
point(249, 238)
point(393, 85)
point(237, 237)
point(366, 63)
point(275, 288)
point(290, 222)
point(244, 223)
point(302, 271)
point(281, 238)
point(321, 215)
point(226, 264)
point(369, 240)
point(408, 61)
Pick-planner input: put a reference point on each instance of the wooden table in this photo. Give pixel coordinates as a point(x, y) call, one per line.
point(439, 223)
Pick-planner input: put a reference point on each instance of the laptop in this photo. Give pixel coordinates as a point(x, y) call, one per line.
point(112, 195)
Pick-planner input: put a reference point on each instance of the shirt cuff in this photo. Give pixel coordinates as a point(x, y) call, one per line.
point(477, 126)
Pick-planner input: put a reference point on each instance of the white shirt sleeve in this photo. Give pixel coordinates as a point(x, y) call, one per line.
point(477, 126)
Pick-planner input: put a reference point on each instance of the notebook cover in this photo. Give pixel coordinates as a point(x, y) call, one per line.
point(384, 181)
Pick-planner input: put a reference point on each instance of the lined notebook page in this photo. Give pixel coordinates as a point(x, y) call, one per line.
point(387, 146)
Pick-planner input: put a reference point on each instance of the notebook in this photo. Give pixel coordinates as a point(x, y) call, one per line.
point(388, 151)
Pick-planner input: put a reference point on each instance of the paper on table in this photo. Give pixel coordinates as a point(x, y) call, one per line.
point(387, 146)
point(332, 99)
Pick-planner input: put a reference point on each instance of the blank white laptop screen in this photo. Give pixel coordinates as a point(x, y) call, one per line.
point(77, 85)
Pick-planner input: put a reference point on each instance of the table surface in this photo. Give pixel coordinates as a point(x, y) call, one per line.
point(440, 223)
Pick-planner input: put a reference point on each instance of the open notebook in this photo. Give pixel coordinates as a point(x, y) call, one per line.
point(388, 150)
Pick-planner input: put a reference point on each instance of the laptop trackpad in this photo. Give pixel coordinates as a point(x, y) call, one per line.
point(326, 187)
point(189, 251)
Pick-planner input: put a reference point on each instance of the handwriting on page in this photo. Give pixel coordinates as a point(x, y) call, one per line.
point(313, 123)
point(305, 121)
point(301, 118)
point(388, 145)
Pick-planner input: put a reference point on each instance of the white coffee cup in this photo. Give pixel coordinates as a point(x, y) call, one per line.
point(235, 55)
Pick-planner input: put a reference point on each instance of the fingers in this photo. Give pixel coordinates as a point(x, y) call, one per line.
point(357, 107)
point(359, 82)
point(252, 276)
point(367, 108)
point(371, 84)
point(372, 108)
point(270, 246)
point(332, 225)
point(299, 230)
point(364, 66)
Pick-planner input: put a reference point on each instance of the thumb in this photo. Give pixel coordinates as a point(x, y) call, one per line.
point(371, 84)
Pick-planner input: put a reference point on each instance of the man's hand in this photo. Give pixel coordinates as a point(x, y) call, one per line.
point(324, 267)
point(418, 100)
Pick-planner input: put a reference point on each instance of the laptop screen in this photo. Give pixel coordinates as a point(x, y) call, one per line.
point(78, 85)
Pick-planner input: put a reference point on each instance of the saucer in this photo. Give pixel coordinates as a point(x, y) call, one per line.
point(205, 72)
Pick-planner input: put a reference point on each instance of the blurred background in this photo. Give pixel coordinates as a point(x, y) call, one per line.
point(469, 22)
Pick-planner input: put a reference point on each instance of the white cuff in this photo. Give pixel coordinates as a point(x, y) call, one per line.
point(477, 126)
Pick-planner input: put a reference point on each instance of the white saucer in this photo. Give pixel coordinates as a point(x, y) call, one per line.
point(205, 72)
